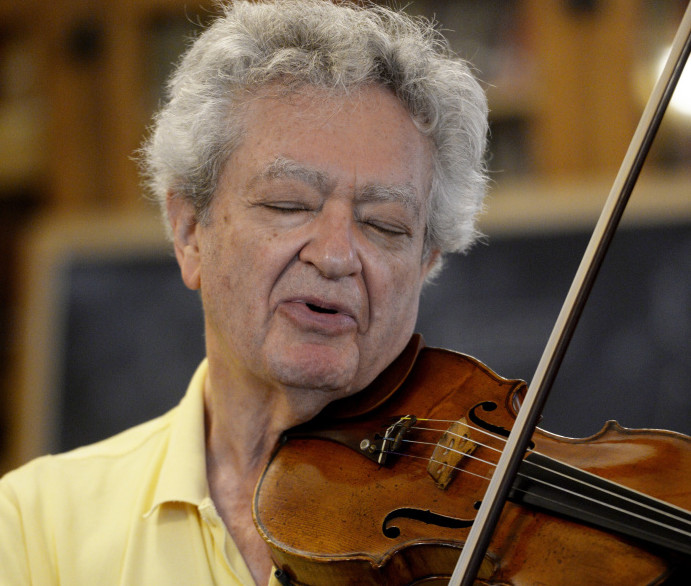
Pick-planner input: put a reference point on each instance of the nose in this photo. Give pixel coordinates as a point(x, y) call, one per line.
point(331, 247)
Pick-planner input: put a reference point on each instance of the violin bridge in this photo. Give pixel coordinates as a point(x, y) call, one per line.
point(454, 443)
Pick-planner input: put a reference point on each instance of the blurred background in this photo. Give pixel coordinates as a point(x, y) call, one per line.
point(97, 333)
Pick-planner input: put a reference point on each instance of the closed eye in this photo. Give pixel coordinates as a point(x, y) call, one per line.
point(386, 228)
point(287, 206)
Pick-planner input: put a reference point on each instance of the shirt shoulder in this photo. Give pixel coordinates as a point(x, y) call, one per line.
point(127, 510)
point(78, 465)
point(56, 506)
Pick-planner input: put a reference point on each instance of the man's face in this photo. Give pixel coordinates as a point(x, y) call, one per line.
point(311, 265)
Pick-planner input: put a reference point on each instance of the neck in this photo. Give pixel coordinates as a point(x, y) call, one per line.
point(245, 419)
point(244, 422)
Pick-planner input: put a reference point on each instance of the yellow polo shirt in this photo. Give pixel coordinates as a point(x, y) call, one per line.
point(133, 509)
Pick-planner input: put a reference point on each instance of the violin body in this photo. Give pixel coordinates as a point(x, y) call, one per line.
point(333, 516)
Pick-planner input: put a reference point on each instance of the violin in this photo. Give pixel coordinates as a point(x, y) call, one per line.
point(388, 486)
point(383, 487)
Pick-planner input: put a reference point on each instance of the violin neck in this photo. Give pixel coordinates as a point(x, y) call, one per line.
point(568, 491)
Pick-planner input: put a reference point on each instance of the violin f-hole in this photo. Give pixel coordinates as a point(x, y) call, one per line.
point(490, 406)
point(428, 517)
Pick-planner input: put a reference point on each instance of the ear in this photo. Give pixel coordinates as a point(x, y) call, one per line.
point(184, 229)
point(431, 262)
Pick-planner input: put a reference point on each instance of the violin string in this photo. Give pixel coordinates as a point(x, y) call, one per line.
point(477, 443)
point(612, 493)
point(427, 459)
point(556, 487)
point(579, 481)
point(468, 425)
point(564, 490)
point(534, 464)
point(473, 457)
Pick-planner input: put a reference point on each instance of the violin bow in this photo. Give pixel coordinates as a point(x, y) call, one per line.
point(497, 492)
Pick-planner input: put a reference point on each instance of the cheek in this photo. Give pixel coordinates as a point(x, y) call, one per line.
point(239, 270)
point(393, 306)
point(224, 277)
point(397, 297)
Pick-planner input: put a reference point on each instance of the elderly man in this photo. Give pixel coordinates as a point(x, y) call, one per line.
point(314, 162)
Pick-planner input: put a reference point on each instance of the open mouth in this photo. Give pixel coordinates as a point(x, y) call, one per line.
point(324, 316)
point(319, 309)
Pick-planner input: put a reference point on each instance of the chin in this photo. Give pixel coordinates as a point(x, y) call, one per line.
point(325, 369)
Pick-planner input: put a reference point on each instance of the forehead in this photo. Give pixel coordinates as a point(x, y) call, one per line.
point(365, 138)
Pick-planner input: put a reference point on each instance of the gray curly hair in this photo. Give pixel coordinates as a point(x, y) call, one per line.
point(333, 45)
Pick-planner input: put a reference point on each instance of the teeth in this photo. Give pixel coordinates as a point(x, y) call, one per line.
point(320, 309)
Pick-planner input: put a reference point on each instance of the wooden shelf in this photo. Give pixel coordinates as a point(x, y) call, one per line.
point(560, 84)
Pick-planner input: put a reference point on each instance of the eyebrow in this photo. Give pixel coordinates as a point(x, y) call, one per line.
point(284, 168)
point(404, 194)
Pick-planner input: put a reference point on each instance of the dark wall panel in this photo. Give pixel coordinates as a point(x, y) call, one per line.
point(134, 332)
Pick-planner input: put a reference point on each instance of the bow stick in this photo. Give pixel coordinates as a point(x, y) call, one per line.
point(529, 413)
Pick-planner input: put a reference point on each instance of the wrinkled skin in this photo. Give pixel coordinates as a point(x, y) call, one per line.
point(310, 269)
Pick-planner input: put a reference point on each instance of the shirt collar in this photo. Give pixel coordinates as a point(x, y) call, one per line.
point(182, 476)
